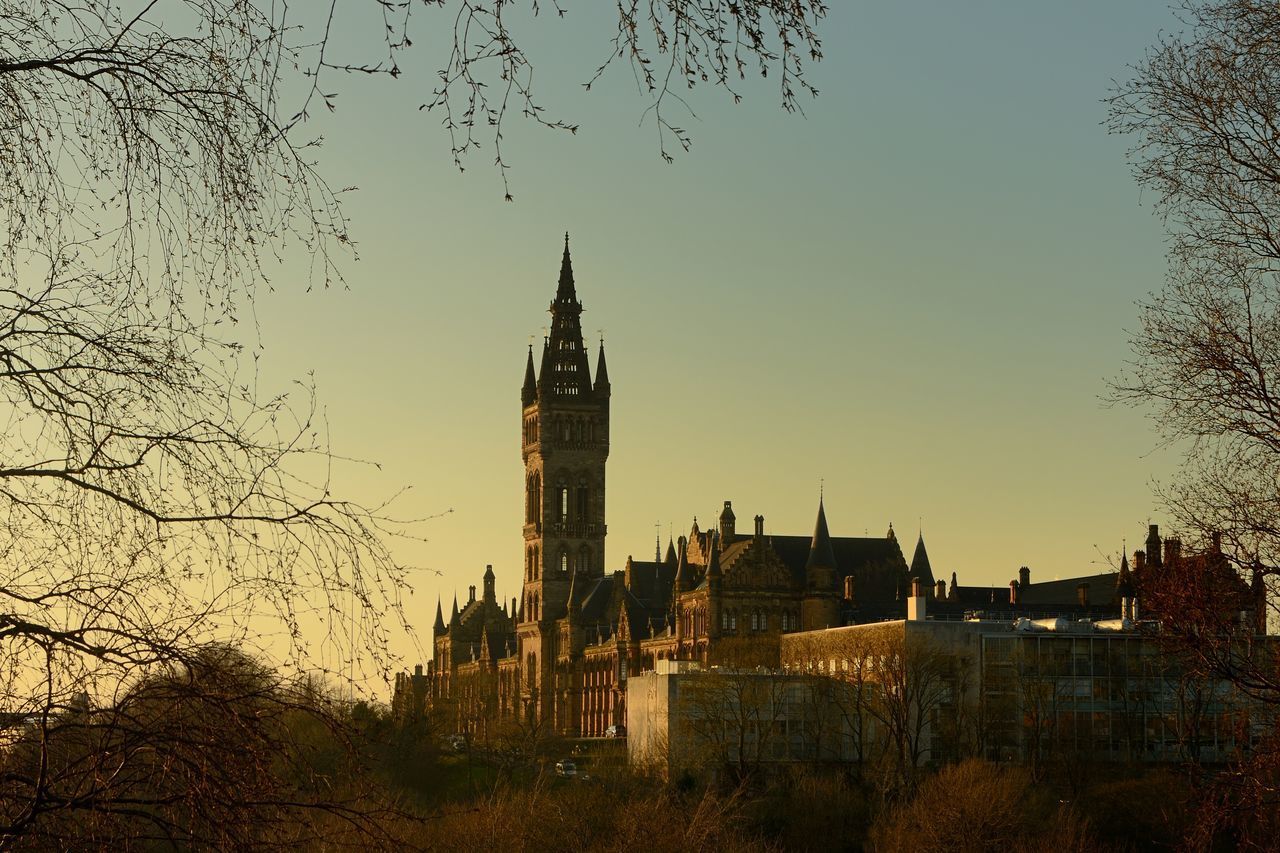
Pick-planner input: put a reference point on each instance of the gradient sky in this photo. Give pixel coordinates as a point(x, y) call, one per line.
point(917, 292)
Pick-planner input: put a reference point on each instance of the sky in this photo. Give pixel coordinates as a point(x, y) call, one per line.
point(914, 294)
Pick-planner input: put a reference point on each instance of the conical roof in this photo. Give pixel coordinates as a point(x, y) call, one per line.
point(530, 389)
point(602, 371)
point(821, 554)
point(920, 567)
point(671, 552)
point(439, 624)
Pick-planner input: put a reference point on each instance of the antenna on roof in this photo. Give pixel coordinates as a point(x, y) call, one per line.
point(657, 541)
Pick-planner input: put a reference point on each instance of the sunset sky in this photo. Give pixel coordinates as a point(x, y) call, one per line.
point(916, 292)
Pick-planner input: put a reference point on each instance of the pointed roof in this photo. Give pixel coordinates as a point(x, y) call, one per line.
point(565, 371)
point(713, 559)
point(565, 292)
point(920, 567)
point(530, 389)
point(602, 371)
point(453, 618)
point(439, 625)
point(681, 582)
point(1124, 581)
point(821, 554)
point(671, 552)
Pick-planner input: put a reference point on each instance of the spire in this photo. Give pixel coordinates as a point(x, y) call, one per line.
point(602, 372)
point(920, 567)
point(953, 592)
point(565, 293)
point(453, 619)
point(438, 627)
point(670, 558)
point(713, 559)
point(1124, 582)
point(530, 389)
point(821, 553)
point(682, 570)
point(565, 371)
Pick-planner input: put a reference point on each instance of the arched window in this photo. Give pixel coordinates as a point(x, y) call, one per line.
point(755, 620)
point(786, 620)
point(733, 620)
point(584, 560)
point(563, 503)
point(724, 621)
point(583, 499)
point(564, 561)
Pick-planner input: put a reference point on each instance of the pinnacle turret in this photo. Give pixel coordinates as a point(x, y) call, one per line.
point(920, 567)
point(438, 627)
point(530, 389)
point(565, 291)
point(821, 553)
point(602, 373)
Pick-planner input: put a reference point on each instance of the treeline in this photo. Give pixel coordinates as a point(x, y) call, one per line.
point(223, 754)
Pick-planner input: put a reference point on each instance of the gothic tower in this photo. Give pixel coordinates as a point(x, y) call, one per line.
point(565, 442)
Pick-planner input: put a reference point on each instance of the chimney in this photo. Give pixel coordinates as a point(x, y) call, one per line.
point(1172, 550)
point(916, 603)
point(1024, 577)
point(1139, 560)
point(940, 590)
point(417, 671)
point(1082, 592)
point(848, 589)
point(1217, 542)
point(759, 526)
point(513, 607)
point(1013, 592)
point(473, 595)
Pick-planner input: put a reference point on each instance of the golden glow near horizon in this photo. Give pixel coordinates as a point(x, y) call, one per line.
point(916, 293)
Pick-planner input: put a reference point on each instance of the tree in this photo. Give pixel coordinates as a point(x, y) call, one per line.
point(207, 755)
point(153, 497)
point(1202, 107)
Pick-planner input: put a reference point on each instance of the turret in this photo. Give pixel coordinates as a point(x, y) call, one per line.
point(728, 523)
point(489, 595)
point(438, 628)
point(530, 389)
point(820, 607)
point(453, 617)
point(920, 566)
point(1153, 546)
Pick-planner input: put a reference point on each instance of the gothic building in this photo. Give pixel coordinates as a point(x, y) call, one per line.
point(560, 656)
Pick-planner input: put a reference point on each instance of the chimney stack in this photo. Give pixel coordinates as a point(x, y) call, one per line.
point(1013, 592)
point(916, 603)
point(759, 526)
point(1082, 592)
point(1024, 577)
point(940, 590)
point(1139, 560)
point(473, 595)
point(848, 589)
point(1172, 550)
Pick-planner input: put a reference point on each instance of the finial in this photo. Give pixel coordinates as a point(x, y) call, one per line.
point(566, 239)
point(822, 483)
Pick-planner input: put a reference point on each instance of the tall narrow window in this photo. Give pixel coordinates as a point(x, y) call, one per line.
point(582, 501)
point(564, 562)
point(564, 504)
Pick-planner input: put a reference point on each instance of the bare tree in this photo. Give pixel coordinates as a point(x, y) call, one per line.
point(1203, 109)
point(152, 495)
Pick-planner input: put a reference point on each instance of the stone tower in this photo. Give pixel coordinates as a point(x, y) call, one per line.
point(565, 442)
